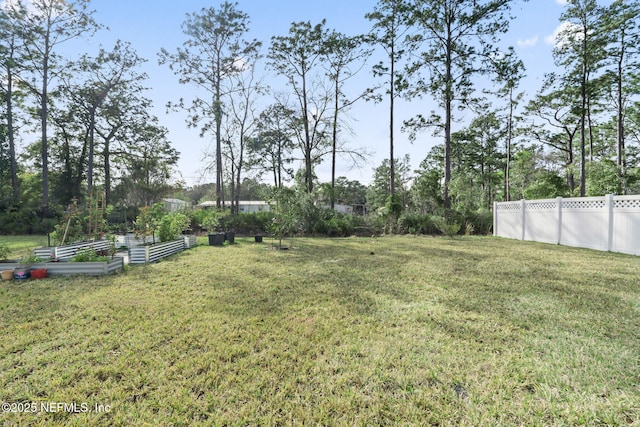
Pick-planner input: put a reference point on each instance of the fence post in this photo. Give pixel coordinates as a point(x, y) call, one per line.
point(523, 205)
point(495, 219)
point(609, 204)
point(559, 218)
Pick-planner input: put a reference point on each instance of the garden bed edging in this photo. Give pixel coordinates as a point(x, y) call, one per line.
point(70, 250)
point(157, 251)
point(91, 268)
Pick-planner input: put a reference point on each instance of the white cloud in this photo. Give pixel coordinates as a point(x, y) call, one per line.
point(563, 33)
point(562, 2)
point(531, 41)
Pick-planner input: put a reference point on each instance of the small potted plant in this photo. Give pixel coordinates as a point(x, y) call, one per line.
point(24, 270)
point(211, 223)
point(4, 253)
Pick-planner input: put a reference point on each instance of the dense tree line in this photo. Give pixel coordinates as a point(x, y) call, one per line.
point(86, 122)
point(88, 129)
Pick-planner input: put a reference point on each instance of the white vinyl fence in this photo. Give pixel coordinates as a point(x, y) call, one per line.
point(609, 223)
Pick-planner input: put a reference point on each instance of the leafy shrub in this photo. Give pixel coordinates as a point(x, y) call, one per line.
point(71, 229)
point(344, 224)
point(287, 215)
point(88, 255)
point(469, 229)
point(482, 221)
point(198, 217)
point(120, 219)
point(172, 225)
point(210, 220)
point(416, 223)
point(30, 259)
point(394, 205)
point(475, 222)
point(249, 223)
point(376, 223)
point(148, 220)
point(4, 252)
point(27, 220)
point(446, 226)
point(310, 219)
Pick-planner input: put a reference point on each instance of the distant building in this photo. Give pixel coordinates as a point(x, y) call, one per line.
point(207, 204)
point(251, 206)
point(244, 206)
point(345, 209)
point(175, 205)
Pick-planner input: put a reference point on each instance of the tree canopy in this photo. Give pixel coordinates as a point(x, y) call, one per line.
point(278, 110)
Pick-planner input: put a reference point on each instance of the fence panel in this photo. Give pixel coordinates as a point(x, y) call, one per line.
point(540, 221)
point(609, 223)
point(585, 223)
point(626, 225)
point(510, 220)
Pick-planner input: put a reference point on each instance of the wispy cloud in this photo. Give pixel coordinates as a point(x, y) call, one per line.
point(531, 41)
point(563, 33)
point(562, 2)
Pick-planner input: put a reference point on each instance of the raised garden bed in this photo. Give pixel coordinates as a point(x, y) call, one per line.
point(130, 240)
point(64, 268)
point(157, 251)
point(69, 251)
point(189, 241)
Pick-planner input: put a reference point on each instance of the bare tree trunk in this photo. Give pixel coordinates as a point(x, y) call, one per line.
point(307, 139)
point(10, 131)
point(218, 118)
point(392, 163)
point(621, 158)
point(44, 146)
point(107, 173)
point(447, 128)
point(507, 184)
point(334, 147)
point(92, 127)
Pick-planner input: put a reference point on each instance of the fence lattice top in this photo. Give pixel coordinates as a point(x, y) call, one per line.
point(508, 206)
point(543, 205)
point(583, 204)
point(619, 202)
point(627, 203)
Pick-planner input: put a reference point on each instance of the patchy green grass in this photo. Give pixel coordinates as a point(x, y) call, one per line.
point(22, 245)
point(385, 331)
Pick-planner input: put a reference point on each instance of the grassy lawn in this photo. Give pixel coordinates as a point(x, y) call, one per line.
point(385, 331)
point(22, 245)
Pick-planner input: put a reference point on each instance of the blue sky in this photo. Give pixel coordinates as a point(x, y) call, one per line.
point(150, 25)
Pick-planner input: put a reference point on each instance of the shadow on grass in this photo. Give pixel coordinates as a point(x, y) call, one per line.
point(30, 300)
point(540, 287)
point(314, 271)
